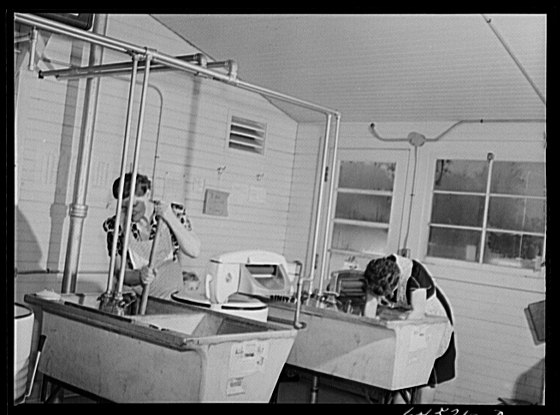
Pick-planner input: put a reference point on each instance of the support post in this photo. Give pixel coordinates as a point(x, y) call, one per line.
point(78, 208)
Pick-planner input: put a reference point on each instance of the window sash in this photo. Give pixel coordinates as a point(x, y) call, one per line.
point(482, 252)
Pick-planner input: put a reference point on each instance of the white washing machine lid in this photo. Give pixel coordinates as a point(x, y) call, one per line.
point(236, 301)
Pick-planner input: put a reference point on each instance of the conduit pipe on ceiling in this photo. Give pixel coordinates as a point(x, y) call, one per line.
point(413, 135)
point(519, 65)
point(128, 48)
point(418, 140)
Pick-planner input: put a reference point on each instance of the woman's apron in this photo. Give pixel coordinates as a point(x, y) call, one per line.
point(169, 277)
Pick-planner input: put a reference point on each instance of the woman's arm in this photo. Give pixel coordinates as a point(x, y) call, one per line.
point(132, 277)
point(188, 240)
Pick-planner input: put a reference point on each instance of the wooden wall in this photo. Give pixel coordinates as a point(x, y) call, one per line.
point(497, 356)
point(183, 147)
point(186, 125)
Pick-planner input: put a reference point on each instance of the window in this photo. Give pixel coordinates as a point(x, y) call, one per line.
point(367, 204)
point(490, 212)
point(363, 206)
point(246, 135)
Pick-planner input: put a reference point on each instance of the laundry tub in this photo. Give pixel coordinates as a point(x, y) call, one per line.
point(23, 332)
point(173, 353)
point(390, 354)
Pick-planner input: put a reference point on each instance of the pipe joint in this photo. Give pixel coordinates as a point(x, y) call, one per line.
point(201, 59)
point(78, 211)
point(149, 53)
point(232, 68)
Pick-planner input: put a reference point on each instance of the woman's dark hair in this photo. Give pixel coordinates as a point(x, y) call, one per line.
point(382, 276)
point(143, 184)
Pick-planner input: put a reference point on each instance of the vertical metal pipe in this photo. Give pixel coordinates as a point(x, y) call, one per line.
point(490, 159)
point(78, 208)
point(314, 389)
point(139, 131)
point(32, 48)
point(320, 199)
point(325, 256)
point(123, 170)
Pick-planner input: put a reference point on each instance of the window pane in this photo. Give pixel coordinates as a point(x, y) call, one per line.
point(457, 210)
point(510, 249)
point(516, 178)
point(516, 214)
point(461, 175)
point(454, 243)
point(356, 238)
point(363, 207)
point(366, 175)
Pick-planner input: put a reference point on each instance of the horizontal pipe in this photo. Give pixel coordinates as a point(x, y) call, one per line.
point(176, 63)
point(113, 68)
point(170, 61)
point(55, 271)
point(480, 121)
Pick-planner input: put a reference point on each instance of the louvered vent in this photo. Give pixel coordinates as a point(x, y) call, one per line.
point(246, 135)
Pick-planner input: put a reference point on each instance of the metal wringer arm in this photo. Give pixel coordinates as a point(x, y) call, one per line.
point(113, 301)
point(146, 290)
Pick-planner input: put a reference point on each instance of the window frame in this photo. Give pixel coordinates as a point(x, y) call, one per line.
point(401, 158)
point(521, 151)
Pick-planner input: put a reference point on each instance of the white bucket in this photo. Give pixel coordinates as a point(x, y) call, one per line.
point(23, 331)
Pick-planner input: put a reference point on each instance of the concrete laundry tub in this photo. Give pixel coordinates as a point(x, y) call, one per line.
point(389, 354)
point(172, 353)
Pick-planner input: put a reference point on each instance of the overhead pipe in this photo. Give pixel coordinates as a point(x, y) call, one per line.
point(413, 136)
point(170, 61)
point(119, 68)
point(176, 63)
point(78, 208)
point(519, 65)
point(115, 44)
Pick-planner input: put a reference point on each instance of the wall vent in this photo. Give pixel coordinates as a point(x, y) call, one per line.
point(246, 135)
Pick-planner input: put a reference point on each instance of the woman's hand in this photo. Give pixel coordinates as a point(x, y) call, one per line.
point(162, 209)
point(188, 240)
point(147, 275)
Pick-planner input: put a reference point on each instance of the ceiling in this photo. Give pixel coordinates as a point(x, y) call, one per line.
point(384, 67)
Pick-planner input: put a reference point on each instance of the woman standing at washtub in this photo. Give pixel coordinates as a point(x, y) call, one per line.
point(176, 236)
point(392, 280)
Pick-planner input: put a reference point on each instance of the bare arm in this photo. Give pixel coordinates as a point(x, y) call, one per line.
point(188, 240)
point(134, 277)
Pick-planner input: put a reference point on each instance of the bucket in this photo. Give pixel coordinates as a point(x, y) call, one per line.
point(23, 331)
